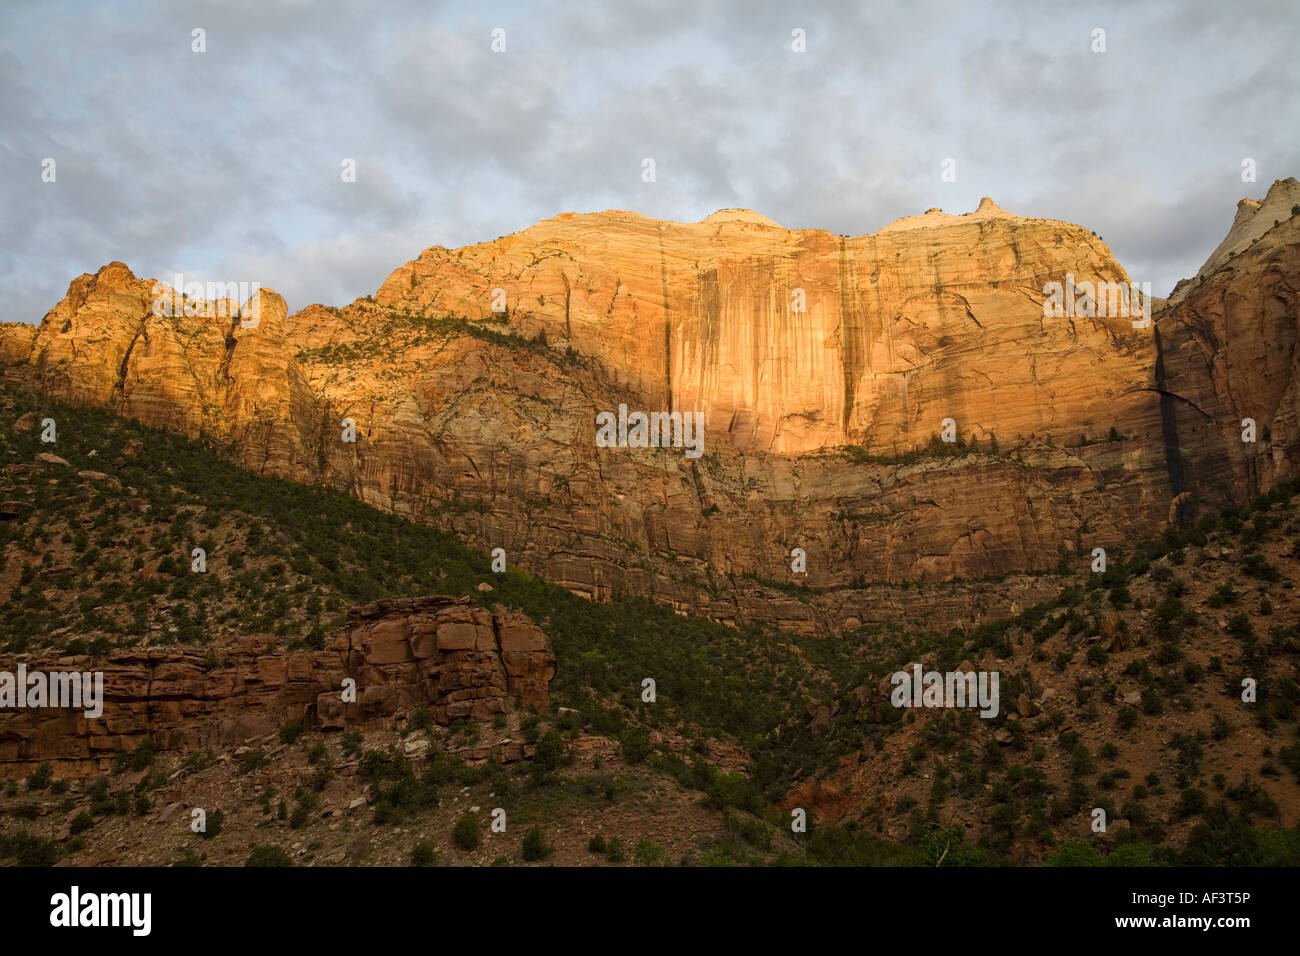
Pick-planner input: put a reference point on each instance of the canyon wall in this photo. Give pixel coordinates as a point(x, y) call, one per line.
point(1228, 354)
point(824, 366)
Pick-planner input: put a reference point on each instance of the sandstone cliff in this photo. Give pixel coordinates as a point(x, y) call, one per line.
point(1228, 353)
point(823, 365)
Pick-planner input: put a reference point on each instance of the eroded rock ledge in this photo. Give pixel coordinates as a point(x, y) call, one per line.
point(461, 660)
point(443, 653)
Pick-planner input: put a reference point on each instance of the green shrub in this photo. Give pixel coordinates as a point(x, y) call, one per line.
point(291, 731)
point(421, 719)
point(548, 755)
point(648, 853)
point(1240, 627)
point(1223, 595)
point(212, 824)
point(28, 850)
point(301, 815)
point(442, 769)
point(1075, 853)
point(351, 743)
point(1192, 802)
point(1151, 703)
point(268, 856)
point(252, 760)
point(40, 778)
point(139, 759)
point(534, 846)
point(378, 765)
point(466, 833)
point(635, 745)
point(1290, 757)
point(423, 854)
point(1133, 854)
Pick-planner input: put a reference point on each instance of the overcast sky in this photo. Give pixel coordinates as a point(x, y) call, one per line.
point(226, 164)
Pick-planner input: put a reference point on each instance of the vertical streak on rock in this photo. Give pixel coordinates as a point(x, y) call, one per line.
point(760, 281)
point(668, 322)
point(868, 333)
point(887, 319)
point(223, 370)
point(119, 388)
point(1168, 423)
point(849, 333)
point(568, 297)
point(709, 306)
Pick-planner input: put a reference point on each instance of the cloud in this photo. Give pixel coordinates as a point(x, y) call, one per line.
point(229, 161)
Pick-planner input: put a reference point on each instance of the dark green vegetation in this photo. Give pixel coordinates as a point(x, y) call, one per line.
point(99, 566)
point(387, 330)
point(935, 447)
point(105, 567)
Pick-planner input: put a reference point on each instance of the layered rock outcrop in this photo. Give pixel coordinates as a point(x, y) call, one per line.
point(823, 365)
point(178, 699)
point(443, 654)
point(463, 661)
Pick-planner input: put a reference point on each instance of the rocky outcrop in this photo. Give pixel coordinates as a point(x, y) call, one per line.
point(1228, 354)
point(1254, 220)
point(463, 661)
point(187, 366)
point(178, 699)
point(823, 365)
point(456, 660)
point(794, 341)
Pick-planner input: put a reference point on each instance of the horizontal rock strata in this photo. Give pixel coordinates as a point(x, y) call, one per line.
point(443, 654)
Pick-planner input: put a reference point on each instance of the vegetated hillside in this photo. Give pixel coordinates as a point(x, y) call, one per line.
point(1124, 694)
point(96, 559)
point(746, 724)
point(100, 559)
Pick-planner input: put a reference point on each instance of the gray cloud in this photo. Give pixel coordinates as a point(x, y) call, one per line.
point(226, 164)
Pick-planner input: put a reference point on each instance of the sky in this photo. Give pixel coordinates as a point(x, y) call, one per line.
point(227, 164)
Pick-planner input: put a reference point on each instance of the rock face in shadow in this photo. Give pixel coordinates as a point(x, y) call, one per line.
point(459, 659)
point(441, 653)
point(823, 365)
point(1228, 349)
